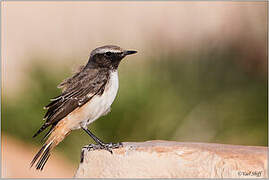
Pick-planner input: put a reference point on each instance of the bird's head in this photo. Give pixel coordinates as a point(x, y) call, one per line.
point(108, 56)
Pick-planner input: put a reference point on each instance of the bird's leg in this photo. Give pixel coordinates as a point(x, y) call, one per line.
point(102, 145)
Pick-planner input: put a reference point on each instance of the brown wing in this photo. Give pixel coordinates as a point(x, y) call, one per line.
point(77, 90)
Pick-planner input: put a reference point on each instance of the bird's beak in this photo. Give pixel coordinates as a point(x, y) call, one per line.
point(128, 52)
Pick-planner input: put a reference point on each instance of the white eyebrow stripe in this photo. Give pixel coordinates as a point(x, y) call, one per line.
point(100, 51)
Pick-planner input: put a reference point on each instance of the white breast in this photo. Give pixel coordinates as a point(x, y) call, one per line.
point(99, 105)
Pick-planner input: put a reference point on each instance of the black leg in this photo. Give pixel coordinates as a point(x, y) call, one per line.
point(102, 145)
point(96, 139)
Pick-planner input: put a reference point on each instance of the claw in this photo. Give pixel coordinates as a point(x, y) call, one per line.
point(109, 150)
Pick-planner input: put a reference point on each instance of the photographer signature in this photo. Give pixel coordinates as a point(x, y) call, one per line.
point(250, 173)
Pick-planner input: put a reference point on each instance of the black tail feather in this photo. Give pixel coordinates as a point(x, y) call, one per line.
point(37, 155)
point(44, 157)
point(47, 157)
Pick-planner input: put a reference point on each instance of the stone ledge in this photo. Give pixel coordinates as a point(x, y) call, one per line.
point(169, 159)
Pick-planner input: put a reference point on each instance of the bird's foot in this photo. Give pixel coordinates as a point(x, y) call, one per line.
point(105, 146)
point(110, 146)
point(92, 147)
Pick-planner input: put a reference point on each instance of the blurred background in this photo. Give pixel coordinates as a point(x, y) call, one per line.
point(200, 74)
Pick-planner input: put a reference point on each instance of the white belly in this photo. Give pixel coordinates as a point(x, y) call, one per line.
point(98, 105)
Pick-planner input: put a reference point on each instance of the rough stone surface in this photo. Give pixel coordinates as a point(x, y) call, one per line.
point(167, 159)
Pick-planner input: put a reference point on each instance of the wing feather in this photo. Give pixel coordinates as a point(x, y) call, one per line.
point(76, 91)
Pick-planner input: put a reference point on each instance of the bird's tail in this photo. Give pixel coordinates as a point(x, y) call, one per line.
point(56, 136)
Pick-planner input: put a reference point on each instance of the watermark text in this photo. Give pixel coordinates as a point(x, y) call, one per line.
point(250, 173)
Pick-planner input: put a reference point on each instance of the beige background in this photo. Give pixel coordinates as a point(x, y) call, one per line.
point(68, 31)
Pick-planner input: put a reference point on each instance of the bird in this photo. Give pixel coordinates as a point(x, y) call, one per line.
point(86, 96)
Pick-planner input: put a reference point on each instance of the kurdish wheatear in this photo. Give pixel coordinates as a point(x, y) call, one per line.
point(85, 96)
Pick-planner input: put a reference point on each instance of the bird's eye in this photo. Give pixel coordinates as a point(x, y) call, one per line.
point(108, 53)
